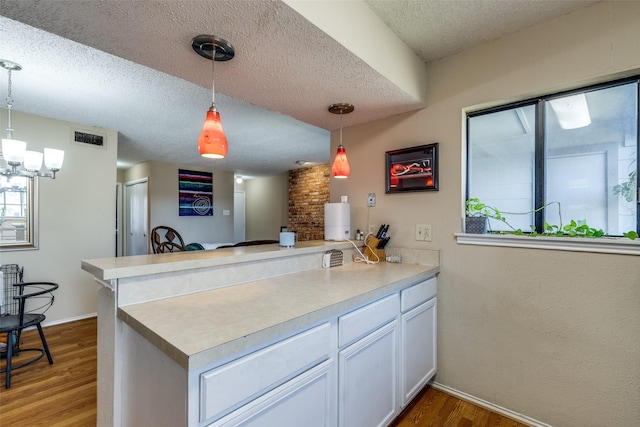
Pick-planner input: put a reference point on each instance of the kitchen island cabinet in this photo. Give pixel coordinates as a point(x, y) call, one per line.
point(163, 349)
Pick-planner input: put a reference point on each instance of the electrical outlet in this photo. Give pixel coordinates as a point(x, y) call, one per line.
point(372, 229)
point(371, 200)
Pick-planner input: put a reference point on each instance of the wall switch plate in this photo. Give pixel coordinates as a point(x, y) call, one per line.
point(427, 233)
point(226, 212)
point(371, 200)
point(423, 232)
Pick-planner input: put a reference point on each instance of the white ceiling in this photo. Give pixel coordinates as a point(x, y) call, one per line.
point(128, 65)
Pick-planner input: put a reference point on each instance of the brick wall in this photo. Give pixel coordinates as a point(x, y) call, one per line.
point(308, 192)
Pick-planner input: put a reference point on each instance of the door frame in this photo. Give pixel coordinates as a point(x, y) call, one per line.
point(125, 224)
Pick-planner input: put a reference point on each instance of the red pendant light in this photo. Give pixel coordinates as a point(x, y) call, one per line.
point(212, 142)
point(341, 167)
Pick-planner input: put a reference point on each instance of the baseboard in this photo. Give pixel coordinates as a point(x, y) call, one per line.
point(490, 406)
point(69, 319)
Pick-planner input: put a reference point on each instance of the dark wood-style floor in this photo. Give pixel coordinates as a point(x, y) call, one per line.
point(64, 394)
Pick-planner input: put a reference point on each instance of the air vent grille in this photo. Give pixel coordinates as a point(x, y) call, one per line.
point(88, 138)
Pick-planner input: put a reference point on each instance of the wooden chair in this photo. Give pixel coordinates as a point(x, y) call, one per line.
point(24, 307)
point(166, 239)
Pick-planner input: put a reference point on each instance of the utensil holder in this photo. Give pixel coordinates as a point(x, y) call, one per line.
point(371, 252)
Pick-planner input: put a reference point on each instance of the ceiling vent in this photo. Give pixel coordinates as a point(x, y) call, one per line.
point(88, 139)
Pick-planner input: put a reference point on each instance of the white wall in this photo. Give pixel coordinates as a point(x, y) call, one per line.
point(552, 335)
point(163, 204)
point(267, 206)
point(77, 214)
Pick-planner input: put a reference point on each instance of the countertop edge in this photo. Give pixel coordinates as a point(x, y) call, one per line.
point(151, 264)
point(255, 339)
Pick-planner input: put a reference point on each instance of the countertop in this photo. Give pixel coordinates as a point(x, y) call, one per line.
point(141, 265)
point(203, 327)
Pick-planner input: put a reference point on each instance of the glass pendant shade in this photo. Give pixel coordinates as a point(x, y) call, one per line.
point(13, 150)
point(32, 161)
point(53, 159)
point(341, 168)
point(212, 143)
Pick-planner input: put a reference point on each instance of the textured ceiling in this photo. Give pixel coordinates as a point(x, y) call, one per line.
point(129, 66)
point(434, 29)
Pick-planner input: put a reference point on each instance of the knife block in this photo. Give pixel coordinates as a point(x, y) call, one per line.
point(371, 252)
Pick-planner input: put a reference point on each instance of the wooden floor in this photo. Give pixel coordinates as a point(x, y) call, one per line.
point(64, 394)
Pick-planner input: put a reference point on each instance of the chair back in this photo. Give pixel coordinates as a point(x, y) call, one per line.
point(166, 239)
point(10, 274)
point(34, 299)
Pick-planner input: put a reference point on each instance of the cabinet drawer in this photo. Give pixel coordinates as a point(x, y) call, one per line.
point(417, 294)
point(364, 320)
point(233, 384)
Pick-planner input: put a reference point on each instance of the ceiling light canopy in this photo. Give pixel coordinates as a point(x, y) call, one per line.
point(15, 152)
point(341, 167)
point(212, 142)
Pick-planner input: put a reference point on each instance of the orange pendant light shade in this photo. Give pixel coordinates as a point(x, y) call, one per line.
point(341, 168)
point(212, 143)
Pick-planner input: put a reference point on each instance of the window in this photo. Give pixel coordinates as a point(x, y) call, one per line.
point(18, 207)
point(575, 154)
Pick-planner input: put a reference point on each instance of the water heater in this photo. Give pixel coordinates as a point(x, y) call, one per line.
point(337, 221)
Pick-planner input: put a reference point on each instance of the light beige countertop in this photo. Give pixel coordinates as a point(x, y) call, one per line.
point(203, 327)
point(140, 265)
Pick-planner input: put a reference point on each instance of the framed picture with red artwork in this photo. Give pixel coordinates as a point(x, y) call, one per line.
point(412, 169)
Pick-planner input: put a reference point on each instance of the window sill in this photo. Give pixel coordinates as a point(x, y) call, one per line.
point(608, 245)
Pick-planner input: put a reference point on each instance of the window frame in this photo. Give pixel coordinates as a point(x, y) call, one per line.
point(31, 226)
point(607, 244)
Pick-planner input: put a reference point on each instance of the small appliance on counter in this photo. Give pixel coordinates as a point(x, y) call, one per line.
point(287, 239)
point(337, 221)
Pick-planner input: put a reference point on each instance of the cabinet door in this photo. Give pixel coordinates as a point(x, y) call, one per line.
point(367, 381)
point(418, 349)
point(306, 400)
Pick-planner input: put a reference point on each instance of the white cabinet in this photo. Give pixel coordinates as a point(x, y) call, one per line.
point(238, 382)
point(367, 394)
point(307, 400)
point(418, 339)
point(368, 368)
point(356, 369)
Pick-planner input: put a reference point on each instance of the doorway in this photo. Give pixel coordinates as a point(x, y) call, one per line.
point(136, 218)
point(239, 234)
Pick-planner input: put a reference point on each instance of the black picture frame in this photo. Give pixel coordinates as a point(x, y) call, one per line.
point(412, 169)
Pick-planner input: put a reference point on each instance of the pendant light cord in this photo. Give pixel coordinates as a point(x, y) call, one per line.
point(341, 129)
point(9, 107)
point(213, 79)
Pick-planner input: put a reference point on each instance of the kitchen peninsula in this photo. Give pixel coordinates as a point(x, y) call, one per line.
point(238, 335)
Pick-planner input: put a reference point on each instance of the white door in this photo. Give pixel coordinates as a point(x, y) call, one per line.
point(136, 207)
point(239, 234)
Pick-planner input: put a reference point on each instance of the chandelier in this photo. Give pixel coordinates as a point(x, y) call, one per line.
point(20, 161)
